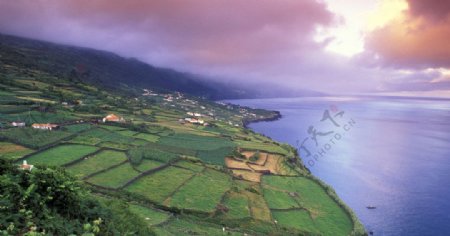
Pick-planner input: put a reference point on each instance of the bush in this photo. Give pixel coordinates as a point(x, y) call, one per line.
point(51, 201)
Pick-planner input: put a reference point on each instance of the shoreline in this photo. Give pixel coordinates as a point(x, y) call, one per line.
point(358, 227)
point(275, 117)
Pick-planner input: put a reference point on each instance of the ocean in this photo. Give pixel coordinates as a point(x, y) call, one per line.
point(391, 154)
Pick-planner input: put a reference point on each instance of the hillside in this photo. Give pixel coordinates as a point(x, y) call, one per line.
point(105, 69)
point(178, 164)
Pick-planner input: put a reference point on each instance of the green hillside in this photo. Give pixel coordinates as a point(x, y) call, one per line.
point(165, 163)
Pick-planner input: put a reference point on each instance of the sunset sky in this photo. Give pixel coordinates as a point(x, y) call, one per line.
point(334, 46)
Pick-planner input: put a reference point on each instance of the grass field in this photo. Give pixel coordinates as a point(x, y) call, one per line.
point(154, 154)
point(158, 186)
point(148, 165)
point(115, 177)
point(258, 206)
point(77, 127)
point(215, 156)
point(81, 139)
point(99, 161)
point(196, 167)
point(147, 137)
point(33, 138)
point(185, 227)
point(195, 142)
point(13, 151)
point(269, 147)
point(278, 199)
point(112, 128)
point(108, 136)
point(298, 219)
point(328, 217)
point(61, 154)
point(172, 149)
point(151, 216)
point(237, 205)
point(203, 192)
point(127, 133)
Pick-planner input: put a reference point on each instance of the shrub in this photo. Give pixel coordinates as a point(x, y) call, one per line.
point(51, 201)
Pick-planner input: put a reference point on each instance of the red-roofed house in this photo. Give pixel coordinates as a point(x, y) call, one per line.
point(113, 118)
point(25, 166)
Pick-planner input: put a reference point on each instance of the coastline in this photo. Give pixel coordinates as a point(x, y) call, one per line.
point(275, 117)
point(358, 227)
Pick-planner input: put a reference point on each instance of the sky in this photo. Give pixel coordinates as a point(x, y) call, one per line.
point(393, 47)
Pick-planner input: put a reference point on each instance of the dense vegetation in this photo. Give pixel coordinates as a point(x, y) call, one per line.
point(48, 201)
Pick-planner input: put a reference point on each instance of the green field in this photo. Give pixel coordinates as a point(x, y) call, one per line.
point(112, 128)
point(203, 192)
point(115, 177)
point(77, 127)
point(184, 227)
point(13, 151)
point(33, 138)
point(196, 167)
point(269, 147)
point(151, 216)
point(147, 137)
point(237, 205)
point(99, 161)
point(277, 199)
point(148, 165)
point(328, 217)
point(151, 154)
point(158, 186)
point(61, 154)
point(195, 142)
point(299, 219)
point(108, 136)
point(215, 156)
point(127, 133)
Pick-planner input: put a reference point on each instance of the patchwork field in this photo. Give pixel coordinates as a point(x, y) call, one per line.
point(115, 177)
point(33, 138)
point(203, 192)
point(148, 165)
point(177, 179)
point(13, 151)
point(196, 167)
point(327, 217)
point(61, 154)
point(152, 217)
point(97, 162)
point(166, 181)
point(147, 137)
point(238, 206)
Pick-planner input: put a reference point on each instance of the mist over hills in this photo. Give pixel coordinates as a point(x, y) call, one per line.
point(110, 70)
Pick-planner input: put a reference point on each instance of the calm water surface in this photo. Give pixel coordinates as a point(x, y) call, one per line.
point(393, 154)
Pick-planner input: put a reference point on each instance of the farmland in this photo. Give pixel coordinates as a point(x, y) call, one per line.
point(99, 161)
point(13, 151)
point(179, 178)
point(61, 155)
point(165, 181)
point(33, 138)
point(203, 192)
point(115, 177)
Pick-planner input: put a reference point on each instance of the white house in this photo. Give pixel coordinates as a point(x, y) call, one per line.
point(47, 126)
point(25, 166)
point(18, 124)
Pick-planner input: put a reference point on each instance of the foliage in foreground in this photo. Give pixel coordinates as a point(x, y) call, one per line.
point(49, 201)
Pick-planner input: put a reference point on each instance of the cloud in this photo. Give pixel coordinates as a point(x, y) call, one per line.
point(207, 32)
point(416, 39)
